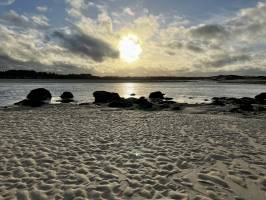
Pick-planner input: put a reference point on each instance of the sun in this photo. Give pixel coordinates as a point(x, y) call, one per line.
point(130, 48)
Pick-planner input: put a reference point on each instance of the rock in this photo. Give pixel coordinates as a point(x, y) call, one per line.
point(218, 101)
point(122, 103)
point(133, 94)
point(132, 100)
point(31, 103)
point(144, 103)
point(222, 101)
point(36, 98)
point(39, 94)
point(156, 95)
point(261, 98)
point(246, 107)
point(168, 98)
point(105, 97)
point(67, 97)
point(247, 100)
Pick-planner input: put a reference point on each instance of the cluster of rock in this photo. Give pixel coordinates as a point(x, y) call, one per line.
point(42, 96)
point(156, 99)
point(242, 104)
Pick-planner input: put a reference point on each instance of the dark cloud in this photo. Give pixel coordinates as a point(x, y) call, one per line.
point(8, 63)
point(193, 47)
point(225, 60)
point(210, 31)
point(87, 45)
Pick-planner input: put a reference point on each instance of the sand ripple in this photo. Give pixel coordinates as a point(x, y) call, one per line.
point(77, 153)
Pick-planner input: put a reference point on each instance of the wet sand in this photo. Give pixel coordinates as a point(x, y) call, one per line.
point(75, 152)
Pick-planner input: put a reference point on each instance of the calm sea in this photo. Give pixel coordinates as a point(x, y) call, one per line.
point(12, 91)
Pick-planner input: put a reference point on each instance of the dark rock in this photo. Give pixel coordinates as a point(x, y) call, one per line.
point(67, 97)
point(31, 103)
point(132, 100)
point(133, 94)
point(261, 98)
point(246, 107)
point(105, 97)
point(218, 101)
point(144, 103)
point(156, 95)
point(222, 101)
point(36, 98)
point(40, 95)
point(122, 103)
point(247, 100)
point(261, 108)
point(168, 98)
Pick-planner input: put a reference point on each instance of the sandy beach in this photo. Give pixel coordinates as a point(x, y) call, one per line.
point(75, 152)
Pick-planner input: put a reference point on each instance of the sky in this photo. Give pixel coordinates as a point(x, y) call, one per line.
point(134, 37)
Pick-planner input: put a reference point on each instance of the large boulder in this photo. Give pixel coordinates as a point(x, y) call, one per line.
point(261, 98)
point(36, 98)
point(67, 97)
point(105, 97)
point(39, 94)
point(156, 95)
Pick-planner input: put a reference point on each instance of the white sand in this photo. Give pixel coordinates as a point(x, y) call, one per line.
point(71, 152)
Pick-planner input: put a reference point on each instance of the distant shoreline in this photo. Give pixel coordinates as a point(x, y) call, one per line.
point(19, 80)
point(33, 76)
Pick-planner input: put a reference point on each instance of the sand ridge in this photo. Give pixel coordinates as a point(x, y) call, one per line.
point(78, 152)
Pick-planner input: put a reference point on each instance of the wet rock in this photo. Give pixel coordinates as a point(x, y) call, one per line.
point(246, 107)
point(247, 100)
point(36, 98)
point(39, 94)
point(67, 97)
point(261, 98)
point(156, 95)
point(105, 97)
point(121, 103)
point(144, 103)
point(132, 100)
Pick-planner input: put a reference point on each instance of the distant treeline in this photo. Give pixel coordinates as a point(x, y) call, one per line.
point(31, 74)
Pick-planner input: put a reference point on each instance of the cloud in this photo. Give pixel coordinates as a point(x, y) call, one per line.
point(225, 60)
point(8, 63)
point(128, 11)
point(12, 18)
point(6, 2)
point(42, 8)
point(86, 45)
point(210, 31)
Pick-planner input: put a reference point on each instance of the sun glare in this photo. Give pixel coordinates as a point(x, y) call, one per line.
point(129, 48)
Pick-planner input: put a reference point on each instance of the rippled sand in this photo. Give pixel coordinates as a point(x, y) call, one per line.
point(78, 152)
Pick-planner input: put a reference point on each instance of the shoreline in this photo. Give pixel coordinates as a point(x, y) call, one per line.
point(240, 81)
